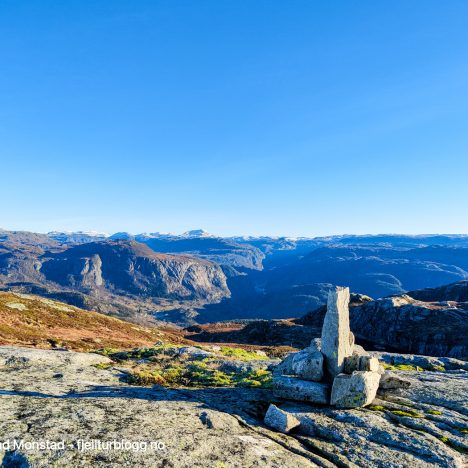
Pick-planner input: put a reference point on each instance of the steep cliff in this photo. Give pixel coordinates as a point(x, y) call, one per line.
point(120, 277)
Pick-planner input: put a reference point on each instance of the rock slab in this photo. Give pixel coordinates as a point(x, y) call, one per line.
point(301, 390)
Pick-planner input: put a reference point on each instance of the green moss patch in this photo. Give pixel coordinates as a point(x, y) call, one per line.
point(102, 365)
point(438, 368)
point(408, 414)
point(376, 408)
point(402, 367)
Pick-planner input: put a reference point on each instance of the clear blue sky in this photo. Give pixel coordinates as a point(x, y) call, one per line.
point(241, 116)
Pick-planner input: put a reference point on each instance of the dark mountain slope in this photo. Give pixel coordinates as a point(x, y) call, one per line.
point(457, 292)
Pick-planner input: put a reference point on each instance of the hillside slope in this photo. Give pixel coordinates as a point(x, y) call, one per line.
point(27, 320)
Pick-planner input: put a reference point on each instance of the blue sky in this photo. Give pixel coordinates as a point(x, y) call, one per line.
point(241, 117)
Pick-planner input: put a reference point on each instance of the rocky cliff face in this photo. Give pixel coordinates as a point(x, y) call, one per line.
point(408, 325)
point(399, 323)
point(435, 325)
point(122, 277)
point(127, 267)
point(267, 277)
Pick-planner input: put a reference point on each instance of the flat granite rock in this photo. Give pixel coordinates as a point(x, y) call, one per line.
point(368, 438)
point(11, 356)
point(196, 427)
point(424, 425)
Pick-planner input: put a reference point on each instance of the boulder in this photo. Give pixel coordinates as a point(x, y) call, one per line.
point(351, 364)
point(308, 364)
point(293, 388)
point(391, 381)
point(359, 350)
point(285, 366)
point(336, 341)
point(355, 390)
point(226, 365)
point(316, 344)
point(280, 420)
point(369, 363)
point(360, 363)
point(194, 352)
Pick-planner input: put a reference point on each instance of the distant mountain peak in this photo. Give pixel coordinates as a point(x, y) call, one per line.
point(197, 233)
point(82, 233)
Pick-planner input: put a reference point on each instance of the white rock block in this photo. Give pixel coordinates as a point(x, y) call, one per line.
point(355, 390)
point(280, 420)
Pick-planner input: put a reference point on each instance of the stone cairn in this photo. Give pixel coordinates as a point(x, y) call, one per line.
point(332, 370)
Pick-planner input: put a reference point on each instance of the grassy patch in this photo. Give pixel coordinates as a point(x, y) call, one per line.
point(404, 403)
point(257, 378)
point(452, 445)
point(241, 354)
point(199, 374)
point(106, 351)
point(463, 430)
point(435, 412)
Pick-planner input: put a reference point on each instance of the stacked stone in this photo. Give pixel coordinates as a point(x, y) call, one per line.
point(332, 370)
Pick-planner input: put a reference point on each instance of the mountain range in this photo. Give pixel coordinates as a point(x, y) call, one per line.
point(200, 277)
